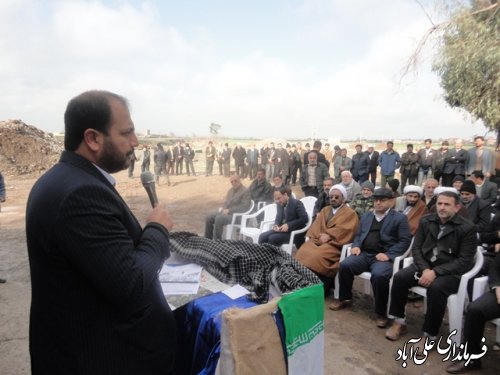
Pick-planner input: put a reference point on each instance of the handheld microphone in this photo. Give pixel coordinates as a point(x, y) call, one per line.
point(148, 181)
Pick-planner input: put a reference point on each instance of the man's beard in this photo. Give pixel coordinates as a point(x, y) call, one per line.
point(411, 203)
point(111, 159)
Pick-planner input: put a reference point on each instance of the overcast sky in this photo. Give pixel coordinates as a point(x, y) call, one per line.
point(258, 68)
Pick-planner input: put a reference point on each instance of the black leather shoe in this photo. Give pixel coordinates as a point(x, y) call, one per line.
point(3, 281)
point(460, 368)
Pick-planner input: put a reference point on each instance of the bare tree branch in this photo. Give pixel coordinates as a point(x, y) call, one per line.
point(412, 62)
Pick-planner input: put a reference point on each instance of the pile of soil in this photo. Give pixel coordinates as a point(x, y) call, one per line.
point(25, 149)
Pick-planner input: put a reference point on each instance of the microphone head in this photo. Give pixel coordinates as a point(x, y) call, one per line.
point(147, 178)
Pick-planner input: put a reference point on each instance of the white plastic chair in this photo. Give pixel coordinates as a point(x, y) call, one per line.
point(308, 203)
point(261, 204)
point(233, 227)
point(456, 302)
point(366, 276)
point(480, 287)
point(266, 223)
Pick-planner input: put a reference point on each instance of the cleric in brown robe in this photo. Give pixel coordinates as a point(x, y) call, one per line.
point(334, 226)
point(412, 206)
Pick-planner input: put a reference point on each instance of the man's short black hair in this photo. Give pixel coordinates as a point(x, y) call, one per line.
point(451, 195)
point(317, 144)
point(285, 189)
point(89, 110)
point(478, 174)
point(428, 140)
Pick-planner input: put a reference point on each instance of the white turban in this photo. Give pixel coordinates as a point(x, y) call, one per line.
point(340, 188)
point(441, 189)
point(413, 189)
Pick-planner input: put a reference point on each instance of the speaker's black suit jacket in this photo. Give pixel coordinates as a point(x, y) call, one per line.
point(97, 305)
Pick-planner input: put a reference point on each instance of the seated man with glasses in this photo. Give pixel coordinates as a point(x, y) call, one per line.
point(291, 215)
point(334, 226)
point(383, 234)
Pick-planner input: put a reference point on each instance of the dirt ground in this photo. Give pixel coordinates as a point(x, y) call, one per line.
point(353, 344)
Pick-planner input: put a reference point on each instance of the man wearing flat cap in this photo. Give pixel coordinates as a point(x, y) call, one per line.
point(412, 206)
point(334, 226)
point(383, 234)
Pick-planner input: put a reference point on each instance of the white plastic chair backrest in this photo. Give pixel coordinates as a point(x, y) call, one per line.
point(309, 203)
point(270, 211)
point(240, 214)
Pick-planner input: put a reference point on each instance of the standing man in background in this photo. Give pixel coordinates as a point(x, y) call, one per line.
point(252, 162)
point(479, 158)
point(341, 163)
point(178, 154)
point(439, 160)
point(132, 159)
point(97, 305)
point(425, 158)
point(454, 163)
point(373, 156)
point(209, 158)
point(360, 165)
point(146, 158)
point(389, 161)
point(409, 166)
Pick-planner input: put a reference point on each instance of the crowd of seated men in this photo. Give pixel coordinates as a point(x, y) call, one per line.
point(447, 223)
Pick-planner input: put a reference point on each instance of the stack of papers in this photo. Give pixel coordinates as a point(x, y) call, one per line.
point(180, 278)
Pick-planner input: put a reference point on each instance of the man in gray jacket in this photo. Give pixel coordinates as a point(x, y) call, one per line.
point(237, 200)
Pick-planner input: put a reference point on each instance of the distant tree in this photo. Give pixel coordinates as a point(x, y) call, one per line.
point(214, 128)
point(468, 60)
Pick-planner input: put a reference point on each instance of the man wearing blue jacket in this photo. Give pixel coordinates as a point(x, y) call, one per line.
point(389, 161)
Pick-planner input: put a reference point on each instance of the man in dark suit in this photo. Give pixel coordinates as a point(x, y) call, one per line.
point(360, 165)
point(97, 304)
point(454, 163)
point(291, 215)
point(383, 234)
point(372, 168)
point(178, 157)
point(425, 157)
point(486, 190)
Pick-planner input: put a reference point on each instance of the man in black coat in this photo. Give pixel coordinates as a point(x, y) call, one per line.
point(360, 165)
point(454, 163)
point(443, 250)
point(178, 154)
point(97, 305)
point(372, 169)
point(478, 210)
